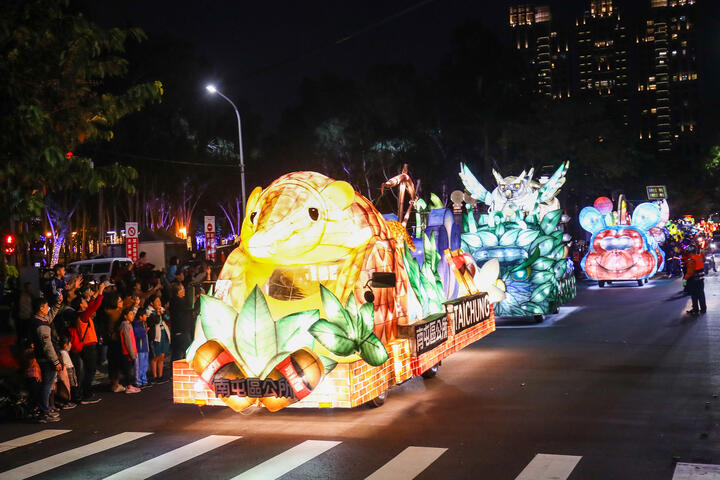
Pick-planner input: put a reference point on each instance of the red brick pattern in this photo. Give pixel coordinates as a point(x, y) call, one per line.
point(349, 384)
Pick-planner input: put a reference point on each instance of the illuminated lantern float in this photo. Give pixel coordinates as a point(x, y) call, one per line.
point(523, 230)
point(323, 304)
point(622, 247)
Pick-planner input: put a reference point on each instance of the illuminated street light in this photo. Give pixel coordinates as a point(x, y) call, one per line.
point(211, 89)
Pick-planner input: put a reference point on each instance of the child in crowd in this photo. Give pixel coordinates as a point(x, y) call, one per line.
point(67, 382)
point(159, 337)
point(129, 349)
point(141, 343)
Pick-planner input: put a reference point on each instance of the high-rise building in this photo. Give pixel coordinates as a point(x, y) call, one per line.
point(544, 55)
point(602, 51)
point(668, 88)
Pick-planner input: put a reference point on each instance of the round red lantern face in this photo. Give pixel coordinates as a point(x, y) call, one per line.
point(619, 254)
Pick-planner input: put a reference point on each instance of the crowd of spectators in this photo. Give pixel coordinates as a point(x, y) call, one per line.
point(129, 326)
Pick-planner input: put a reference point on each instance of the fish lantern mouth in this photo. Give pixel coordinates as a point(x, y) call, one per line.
point(507, 256)
point(617, 261)
point(617, 243)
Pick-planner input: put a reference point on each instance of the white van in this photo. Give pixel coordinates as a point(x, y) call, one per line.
point(94, 269)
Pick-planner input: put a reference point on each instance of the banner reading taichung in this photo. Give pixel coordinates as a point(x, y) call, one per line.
point(210, 238)
point(131, 240)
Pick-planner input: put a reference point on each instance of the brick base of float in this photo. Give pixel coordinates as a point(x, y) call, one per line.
point(349, 384)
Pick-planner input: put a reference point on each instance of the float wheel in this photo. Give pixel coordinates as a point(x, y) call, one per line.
point(601, 283)
point(378, 401)
point(431, 372)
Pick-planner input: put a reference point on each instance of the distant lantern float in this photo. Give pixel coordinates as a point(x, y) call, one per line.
point(622, 251)
point(523, 230)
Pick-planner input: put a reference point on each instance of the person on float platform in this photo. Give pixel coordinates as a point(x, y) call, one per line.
point(695, 278)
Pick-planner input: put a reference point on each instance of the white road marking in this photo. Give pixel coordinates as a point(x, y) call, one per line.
point(28, 439)
point(173, 458)
point(54, 461)
point(281, 464)
point(549, 467)
point(696, 471)
point(408, 464)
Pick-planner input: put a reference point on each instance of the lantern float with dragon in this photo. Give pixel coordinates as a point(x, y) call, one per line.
point(622, 247)
point(523, 230)
point(325, 303)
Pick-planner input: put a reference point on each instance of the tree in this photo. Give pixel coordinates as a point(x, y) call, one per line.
point(56, 94)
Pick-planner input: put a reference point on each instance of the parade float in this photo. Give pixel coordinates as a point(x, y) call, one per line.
point(622, 247)
point(523, 230)
point(326, 303)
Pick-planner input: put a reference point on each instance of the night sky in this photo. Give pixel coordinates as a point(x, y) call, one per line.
point(260, 51)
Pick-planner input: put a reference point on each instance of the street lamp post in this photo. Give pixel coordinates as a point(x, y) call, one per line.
point(213, 90)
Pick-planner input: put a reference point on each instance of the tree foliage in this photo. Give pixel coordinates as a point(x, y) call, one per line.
point(56, 95)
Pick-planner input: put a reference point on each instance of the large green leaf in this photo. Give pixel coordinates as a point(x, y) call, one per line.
point(254, 333)
point(373, 351)
point(542, 277)
point(527, 237)
point(430, 251)
point(367, 322)
point(541, 292)
point(328, 363)
point(510, 237)
point(413, 272)
point(550, 221)
point(217, 319)
point(558, 252)
point(335, 312)
point(332, 337)
point(487, 238)
point(293, 331)
point(543, 263)
point(532, 308)
point(545, 243)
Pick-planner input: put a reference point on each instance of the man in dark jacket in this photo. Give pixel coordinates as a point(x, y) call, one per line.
point(181, 322)
point(46, 353)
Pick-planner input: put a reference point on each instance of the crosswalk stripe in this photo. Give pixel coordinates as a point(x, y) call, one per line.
point(28, 439)
point(696, 471)
point(281, 464)
point(549, 467)
point(173, 458)
point(408, 464)
point(54, 461)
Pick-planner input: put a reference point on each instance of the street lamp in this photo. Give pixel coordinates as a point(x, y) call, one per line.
point(213, 90)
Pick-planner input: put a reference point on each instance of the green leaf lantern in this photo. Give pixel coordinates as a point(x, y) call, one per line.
point(348, 330)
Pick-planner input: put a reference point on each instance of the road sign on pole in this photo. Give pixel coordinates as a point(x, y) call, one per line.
point(210, 238)
point(131, 240)
point(656, 192)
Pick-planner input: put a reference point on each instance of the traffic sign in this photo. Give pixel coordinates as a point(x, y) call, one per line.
point(656, 192)
point(131, 240)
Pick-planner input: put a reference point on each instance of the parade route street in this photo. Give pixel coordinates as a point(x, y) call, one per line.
point(621, 384)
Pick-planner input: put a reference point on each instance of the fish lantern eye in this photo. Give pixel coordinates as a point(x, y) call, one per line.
point(313, 212)
point(503, 186)
point(521, 275)
point(517, 185)
point(252, 217)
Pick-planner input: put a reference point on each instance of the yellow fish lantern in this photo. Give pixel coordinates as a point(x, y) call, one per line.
point(305, 229)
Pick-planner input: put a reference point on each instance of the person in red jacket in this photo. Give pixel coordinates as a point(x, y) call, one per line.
point(695, 278)
point(85, 338)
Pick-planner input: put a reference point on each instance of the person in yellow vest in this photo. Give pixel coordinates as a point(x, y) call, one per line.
point(695, 278)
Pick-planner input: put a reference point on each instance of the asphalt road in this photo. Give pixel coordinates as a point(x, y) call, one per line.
point(619, 385)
